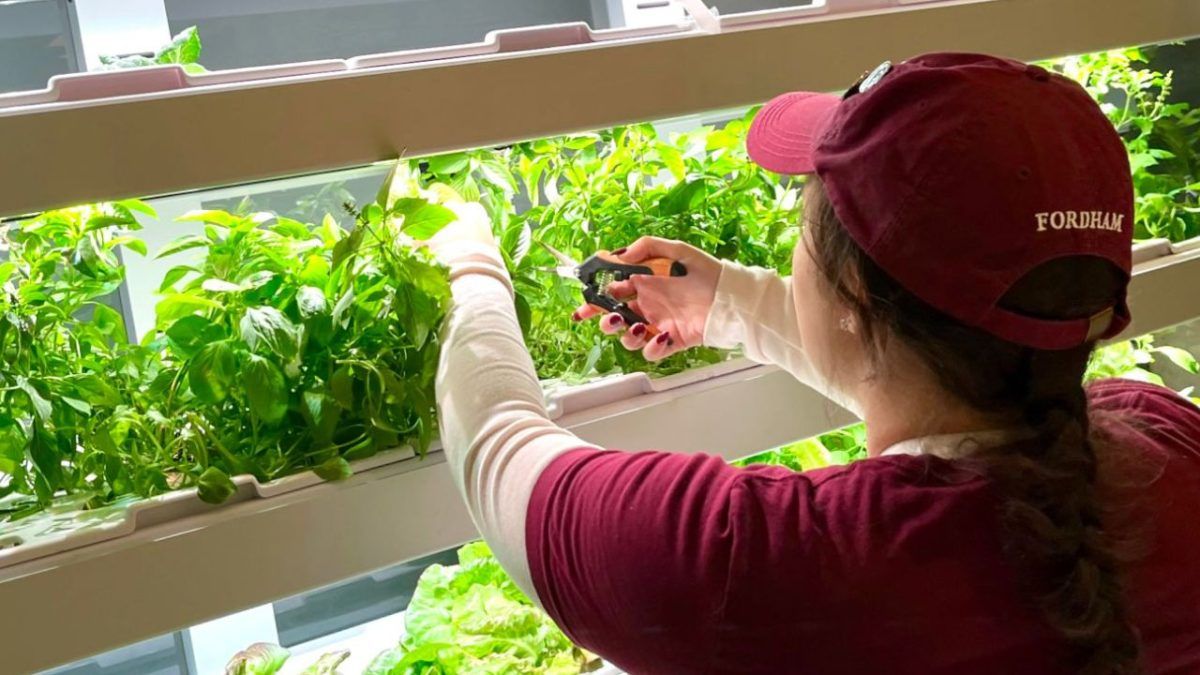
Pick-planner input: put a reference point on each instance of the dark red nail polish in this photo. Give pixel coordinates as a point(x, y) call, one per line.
point(639, 330)
point(664, 338)
point(575, 316)
point(621, 250)
point(614, 320)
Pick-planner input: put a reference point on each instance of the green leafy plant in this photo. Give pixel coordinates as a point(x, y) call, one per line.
point(327, 664)
point(471, 618)
point(591, 192)
point(464, 618)
point(834, 448)
point(288, 346)
point(69, 373)
point(295, 346)
point(264, 658)
point(260, 658)
point(1136, 359)
point(183, 49)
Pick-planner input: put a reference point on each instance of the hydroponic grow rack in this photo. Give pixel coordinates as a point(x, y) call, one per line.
point(163, 131)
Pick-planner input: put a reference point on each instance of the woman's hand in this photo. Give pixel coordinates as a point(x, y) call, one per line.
point(471, 230)
point(677, 307)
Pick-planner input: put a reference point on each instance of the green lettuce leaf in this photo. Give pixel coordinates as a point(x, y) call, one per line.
point(472, 619)
point(260, 658)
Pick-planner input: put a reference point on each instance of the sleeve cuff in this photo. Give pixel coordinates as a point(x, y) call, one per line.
point(738, 290)
point(472, 257)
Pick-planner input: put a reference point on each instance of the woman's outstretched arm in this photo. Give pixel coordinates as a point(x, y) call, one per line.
point(495, 432)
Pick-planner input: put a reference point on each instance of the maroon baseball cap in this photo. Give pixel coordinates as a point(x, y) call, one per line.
point(960, 173)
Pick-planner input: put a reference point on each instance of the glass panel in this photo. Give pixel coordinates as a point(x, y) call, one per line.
point(740, 6)
point(162, 655)
point(1182, 59)
point(731, 7)
point(325, 611)
point(239, 33)
point(35, 43)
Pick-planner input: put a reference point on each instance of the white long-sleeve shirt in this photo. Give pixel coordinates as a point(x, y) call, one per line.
point(495, 432)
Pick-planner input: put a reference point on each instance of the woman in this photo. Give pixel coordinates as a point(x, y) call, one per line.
point(967, 243)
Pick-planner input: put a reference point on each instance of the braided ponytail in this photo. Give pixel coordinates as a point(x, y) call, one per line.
point(1052, 518)
point(1053, 514)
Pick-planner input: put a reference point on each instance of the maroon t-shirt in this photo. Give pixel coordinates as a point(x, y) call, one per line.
point(668, 563)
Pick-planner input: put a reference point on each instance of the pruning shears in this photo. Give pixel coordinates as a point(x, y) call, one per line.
point(599, 271)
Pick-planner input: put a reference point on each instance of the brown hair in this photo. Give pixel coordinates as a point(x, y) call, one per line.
point(1051, 513)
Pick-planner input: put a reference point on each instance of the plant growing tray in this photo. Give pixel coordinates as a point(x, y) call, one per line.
point(564, 400)
point(100, 85)
point(67, 525)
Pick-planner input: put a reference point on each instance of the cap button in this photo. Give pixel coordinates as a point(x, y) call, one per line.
point(875, 76)
point(1037, 72)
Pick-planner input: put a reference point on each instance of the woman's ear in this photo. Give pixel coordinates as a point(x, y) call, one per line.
point(854, 285)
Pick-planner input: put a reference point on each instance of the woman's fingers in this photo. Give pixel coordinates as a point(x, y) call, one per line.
point(676, 306)
point(586, 311)
point(660, 347)
point(656, 247)
point(622, 289)
point(635, 338)
point(612, 324)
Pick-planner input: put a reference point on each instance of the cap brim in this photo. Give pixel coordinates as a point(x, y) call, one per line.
point(784, 134)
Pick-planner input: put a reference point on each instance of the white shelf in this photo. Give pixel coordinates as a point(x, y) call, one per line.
point(244, 127)
point(178, 572)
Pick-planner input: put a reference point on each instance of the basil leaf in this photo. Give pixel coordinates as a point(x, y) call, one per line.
point(41, 407)
point(422, 220)
point(212, 371)
point(190, 334)
point(266, 389)
point(311, 301)
point(214, 486)
point(266, 328)
point(334, 469)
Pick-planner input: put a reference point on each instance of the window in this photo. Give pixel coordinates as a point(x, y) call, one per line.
point(1184, 61)
point(163, 655)
point(740, 12)
point(364, 614)
point(727, 7)
point(325, 611)
point(43, 38)
point(238, 34)
point(35, 43)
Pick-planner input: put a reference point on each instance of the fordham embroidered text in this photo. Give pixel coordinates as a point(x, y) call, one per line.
point(1079, 220)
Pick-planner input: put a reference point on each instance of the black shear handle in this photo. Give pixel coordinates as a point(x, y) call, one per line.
point(611, 304)
point(607, 262)
point(604, 262)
